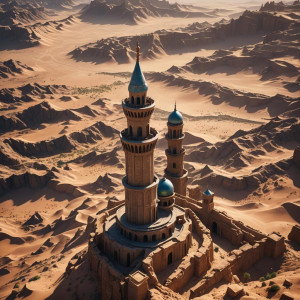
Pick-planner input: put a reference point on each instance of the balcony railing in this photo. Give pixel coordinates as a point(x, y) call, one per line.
point(177, 153)
point(153, 133)
point(149, 101)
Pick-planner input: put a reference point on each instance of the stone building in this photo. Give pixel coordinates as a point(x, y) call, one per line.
point(136, 240)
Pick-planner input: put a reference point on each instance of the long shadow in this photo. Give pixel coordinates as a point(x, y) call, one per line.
point(79, 284)
point(23, 195)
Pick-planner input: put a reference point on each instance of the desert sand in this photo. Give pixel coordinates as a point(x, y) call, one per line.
point(64, 69)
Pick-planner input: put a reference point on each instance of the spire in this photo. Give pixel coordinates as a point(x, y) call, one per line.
point(137, 52)
point(137, 83)
point(175, 106)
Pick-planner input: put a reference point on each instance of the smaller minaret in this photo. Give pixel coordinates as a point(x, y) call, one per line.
point(208, 201)
point(175, 171)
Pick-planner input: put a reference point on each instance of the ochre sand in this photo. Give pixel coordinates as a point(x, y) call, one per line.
point(267, 209)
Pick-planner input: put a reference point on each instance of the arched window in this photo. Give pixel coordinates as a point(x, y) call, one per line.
point(140, 132)
point(174, 165)
point(138, 101)
point(174, 133)
point(163, 236)
point(153, 238)
point(130, 130)
point(147, 129)
point(129, 235)
point(145, 238)
point(170, 231)
point(135, 237)
point(143, 100)
point(132, 100)
point(128, 259)
point(174, 150)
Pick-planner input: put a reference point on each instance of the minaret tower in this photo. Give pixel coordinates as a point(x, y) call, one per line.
point(175, 153)
point(139, 141)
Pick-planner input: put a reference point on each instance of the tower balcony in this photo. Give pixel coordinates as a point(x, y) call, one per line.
point(139, 144)
point(125, 135)
point(127, 103)
point(175, 137)
point(172, 153)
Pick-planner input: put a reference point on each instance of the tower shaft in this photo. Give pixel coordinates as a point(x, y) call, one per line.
point(138, 141)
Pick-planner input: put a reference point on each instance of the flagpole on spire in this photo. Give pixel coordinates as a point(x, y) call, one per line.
point(137, 52)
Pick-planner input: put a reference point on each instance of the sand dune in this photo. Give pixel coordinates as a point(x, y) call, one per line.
point(131, 12)
point(12, 68)
point(182, 40)
point(236, 83)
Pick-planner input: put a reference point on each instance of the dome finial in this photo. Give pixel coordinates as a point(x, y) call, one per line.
point(175, 106)
point(137, 51)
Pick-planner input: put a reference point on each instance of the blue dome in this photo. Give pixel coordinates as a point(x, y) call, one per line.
point(208, 192)
point(175, 118)
point(137, 83)
point(165, 188)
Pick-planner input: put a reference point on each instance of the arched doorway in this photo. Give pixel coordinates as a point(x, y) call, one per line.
point(214, 228)
point(139, 132)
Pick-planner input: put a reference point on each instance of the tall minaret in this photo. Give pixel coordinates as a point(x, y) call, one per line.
point(175, 153)
point(139, 141)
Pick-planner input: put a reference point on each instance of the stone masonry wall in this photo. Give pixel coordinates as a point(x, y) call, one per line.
point(194, 263)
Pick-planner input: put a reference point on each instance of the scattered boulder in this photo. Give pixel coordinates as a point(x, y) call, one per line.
point(296, 156)
point(286, 296)
point(294, 235)
point(4, 271)
point(287, 283)
point(234, 290)
point(34, 219)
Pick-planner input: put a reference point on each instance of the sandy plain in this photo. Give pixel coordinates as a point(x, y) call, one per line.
point(88, 164)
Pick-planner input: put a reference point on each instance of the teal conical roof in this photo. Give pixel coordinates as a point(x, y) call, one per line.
point(208, 192)
point(138, 82)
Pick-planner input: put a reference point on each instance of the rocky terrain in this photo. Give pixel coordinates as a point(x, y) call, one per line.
point(131, 11)
point(236, 82)
point(12, 68)
point(22, 23)
point(197, 36)
point(12, 14)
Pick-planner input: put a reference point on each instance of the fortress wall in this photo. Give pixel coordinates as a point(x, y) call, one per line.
point(249, 232)
point(240, 259)
point(194, 263)
point(185, 202)
point(184, 272)
point(230, 229)
point(177, 249)
point(246, 256)
point(112, 284)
